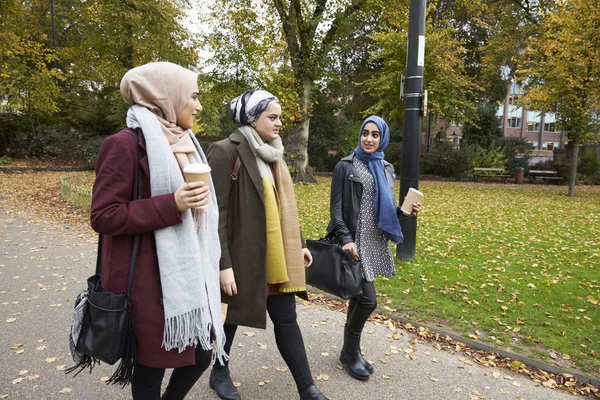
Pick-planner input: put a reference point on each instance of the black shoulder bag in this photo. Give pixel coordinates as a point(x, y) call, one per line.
point(102, 327)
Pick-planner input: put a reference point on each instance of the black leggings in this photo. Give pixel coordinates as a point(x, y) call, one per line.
point(360, 307)
point(146, 381)
point(282, 311)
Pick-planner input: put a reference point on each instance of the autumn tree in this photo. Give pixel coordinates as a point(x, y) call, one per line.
point(450, 88)
point(561, 70)
point(68, 81)
point(29, 90)
point(305, 30)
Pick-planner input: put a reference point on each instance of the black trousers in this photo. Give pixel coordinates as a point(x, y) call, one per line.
point(360, 307)
point(282, 311)
point(146, 381)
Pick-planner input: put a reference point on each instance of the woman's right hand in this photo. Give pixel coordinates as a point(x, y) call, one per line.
point(192, 194)
point(227, 279)
point(352, 250)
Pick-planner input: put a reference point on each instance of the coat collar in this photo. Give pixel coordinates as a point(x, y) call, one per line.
point(249, 161)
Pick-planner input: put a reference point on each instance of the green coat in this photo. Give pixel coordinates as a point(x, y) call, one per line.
point(242, 229)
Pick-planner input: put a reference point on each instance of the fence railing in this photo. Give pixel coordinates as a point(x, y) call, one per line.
point(77, 196)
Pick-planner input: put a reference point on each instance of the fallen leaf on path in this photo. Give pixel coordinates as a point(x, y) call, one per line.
point(65, 390)
point(16, 381)
point(11, 320)
point(16, 346)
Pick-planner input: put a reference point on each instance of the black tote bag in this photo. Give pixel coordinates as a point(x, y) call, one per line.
point(332, 270)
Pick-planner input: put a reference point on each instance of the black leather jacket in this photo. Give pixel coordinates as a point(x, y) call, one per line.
point(346, 195)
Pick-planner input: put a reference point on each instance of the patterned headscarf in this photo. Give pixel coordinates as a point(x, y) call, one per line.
point(385, 211)
point(164, 88)
point(247, 107)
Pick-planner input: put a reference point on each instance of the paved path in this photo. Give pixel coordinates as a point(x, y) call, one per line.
point(43, 265)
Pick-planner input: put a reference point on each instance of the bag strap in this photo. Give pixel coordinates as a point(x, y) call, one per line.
point(136, 240)
point(236, 168)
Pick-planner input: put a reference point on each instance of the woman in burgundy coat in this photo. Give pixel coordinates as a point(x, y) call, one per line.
point(175, 294)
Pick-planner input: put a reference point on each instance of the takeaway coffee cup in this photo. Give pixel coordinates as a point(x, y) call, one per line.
point(413, 196)
point(197, 172)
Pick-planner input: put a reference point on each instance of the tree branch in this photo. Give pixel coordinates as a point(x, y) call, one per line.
point(330, 35)
point(290, 35)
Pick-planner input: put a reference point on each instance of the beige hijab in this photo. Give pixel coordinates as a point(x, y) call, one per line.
point(164, 88)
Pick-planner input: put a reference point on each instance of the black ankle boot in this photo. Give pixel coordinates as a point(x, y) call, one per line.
point(351, 356)
point(368, 365)
point(220, 381)
point(311, 393)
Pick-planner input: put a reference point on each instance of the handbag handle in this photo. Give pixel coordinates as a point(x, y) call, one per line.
point(136, 240)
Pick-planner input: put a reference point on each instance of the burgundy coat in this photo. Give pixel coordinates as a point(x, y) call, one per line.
point(116, 215)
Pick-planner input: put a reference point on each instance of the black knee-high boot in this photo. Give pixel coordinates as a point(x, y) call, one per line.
point(220, 378)
point(351, 355)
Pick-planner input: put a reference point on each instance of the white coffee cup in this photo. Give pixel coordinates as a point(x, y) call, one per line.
point(413, 196)
point(197, 173)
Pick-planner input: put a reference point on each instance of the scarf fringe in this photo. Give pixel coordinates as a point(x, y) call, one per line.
point(291, 289)
point(186, 330)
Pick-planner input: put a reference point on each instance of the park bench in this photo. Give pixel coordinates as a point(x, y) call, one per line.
point(535, 174)
point(490, 173)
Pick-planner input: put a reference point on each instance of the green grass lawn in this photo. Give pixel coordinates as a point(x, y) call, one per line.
point(514, 266)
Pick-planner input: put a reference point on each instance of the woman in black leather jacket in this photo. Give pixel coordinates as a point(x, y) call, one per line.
point(364, 219)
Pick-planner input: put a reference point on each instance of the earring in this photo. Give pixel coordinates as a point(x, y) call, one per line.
point(253, 124)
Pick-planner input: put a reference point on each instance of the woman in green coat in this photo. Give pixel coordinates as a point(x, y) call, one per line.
point(263, 255)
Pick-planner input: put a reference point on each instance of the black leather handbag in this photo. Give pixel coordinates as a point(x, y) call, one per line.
point(332, 270)
point(102, 329)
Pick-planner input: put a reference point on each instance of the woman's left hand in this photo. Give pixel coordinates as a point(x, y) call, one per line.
point(415, 210)
point(307, 257)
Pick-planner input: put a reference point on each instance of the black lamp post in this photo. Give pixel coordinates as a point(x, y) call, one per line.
point(413, 108)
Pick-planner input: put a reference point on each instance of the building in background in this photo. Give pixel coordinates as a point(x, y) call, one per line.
point(534, 126)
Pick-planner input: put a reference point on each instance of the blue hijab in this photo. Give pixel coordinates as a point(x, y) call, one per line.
point(385, 211)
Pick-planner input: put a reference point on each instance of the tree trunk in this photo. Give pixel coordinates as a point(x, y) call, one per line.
point(297, 146)
point(574, 162)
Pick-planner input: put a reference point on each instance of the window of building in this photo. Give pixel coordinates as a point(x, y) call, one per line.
point(514, 116)
point(514, 122)
point(500, 114)
point(534, 144)
point(550, 122)
point(533, 121)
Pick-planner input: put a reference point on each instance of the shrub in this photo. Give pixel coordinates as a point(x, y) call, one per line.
point(517, 152)
point(5, 160)
point(447, 162)
point(589, 163)
point(494, 158)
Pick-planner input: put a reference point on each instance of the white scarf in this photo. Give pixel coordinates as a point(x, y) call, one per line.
point(263, 152)
point(188, 257)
